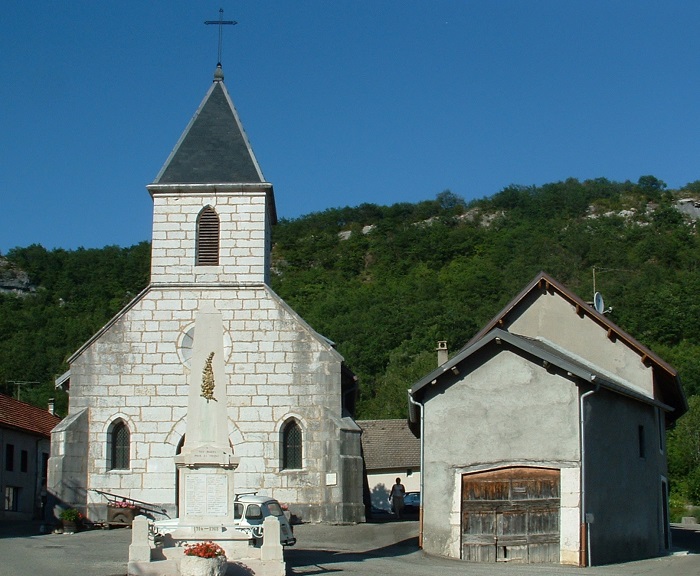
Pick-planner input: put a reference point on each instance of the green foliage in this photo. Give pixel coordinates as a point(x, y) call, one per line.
point(77, 292)
point(684, 454)
point(387, 282)
point(677, 507)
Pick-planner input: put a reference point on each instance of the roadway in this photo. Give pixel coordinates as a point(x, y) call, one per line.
point(385, 549)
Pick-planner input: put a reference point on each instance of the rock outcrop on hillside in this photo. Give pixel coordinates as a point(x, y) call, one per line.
point(14, 280)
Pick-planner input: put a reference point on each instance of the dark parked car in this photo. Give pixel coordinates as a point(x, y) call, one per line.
point(411, 503)
point(378, 513)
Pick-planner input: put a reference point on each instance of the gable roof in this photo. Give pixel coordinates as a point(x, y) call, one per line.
point(670, 391)
point(389, 444)
point(537, 350)
point(544, 282)
point(25, 417)
point(63, 381)
point(214, 147)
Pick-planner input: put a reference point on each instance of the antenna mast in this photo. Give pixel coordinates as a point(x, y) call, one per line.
point(18, 384)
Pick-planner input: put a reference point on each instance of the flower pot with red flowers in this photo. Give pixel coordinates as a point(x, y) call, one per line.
point(72, 519)
point(203, 559)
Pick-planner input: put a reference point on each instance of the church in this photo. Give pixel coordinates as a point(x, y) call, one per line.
point(289, 397)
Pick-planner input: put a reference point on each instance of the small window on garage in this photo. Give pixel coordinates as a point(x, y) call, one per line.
point(661, 425)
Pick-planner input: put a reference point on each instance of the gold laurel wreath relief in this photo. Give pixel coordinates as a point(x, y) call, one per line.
point(208, 379)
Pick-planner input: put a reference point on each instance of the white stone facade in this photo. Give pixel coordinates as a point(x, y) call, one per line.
point(134, 372)
point(276, 367)
point(245, 238)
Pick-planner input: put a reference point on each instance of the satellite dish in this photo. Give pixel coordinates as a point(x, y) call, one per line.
point(598, 303)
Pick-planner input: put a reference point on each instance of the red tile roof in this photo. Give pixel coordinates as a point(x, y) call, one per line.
point(23, 416)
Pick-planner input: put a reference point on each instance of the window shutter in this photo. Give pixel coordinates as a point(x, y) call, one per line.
point(207, 253)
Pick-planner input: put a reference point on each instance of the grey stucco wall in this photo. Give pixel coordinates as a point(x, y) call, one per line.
point(623, 489)
point(507, 411)
point(551, 317)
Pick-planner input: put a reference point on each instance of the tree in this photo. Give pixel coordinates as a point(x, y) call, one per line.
point(684, 453)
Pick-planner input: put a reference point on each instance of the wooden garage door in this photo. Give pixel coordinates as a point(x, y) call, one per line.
point(511, 515)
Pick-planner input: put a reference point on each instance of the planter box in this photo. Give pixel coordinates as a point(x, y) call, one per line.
point(196, 566)
point(120, 516)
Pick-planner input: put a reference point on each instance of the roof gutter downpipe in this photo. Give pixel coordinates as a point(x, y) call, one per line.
point(422, 468)
point(585, 525)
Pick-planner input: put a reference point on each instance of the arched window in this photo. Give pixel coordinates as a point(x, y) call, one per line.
point(291, 446)
point(207, 251)
point(119, 446)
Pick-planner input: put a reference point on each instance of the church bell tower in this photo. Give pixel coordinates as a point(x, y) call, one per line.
point(212, 208)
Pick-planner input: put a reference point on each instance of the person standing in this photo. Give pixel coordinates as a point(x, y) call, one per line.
point(398, 491)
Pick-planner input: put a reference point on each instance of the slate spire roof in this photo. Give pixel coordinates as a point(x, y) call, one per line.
point(214, 147)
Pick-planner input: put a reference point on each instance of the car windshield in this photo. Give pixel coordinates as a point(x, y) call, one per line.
point(275, 509)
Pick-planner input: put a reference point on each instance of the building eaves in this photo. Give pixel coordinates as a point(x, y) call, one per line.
point(544, 281)
point(670, 389)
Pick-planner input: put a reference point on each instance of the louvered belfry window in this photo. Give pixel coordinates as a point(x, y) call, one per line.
point(207, 253)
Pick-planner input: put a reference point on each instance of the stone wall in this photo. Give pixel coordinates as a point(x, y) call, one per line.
point(277, 368)
point(244, 232)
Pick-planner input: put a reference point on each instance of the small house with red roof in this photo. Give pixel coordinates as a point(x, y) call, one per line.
point(544, 438)
point(25, 439)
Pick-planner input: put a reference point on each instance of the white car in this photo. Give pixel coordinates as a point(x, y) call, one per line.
point(250, 511)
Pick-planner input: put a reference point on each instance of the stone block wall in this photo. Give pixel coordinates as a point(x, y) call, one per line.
point(67, 471)
point(277, 368)
point(244, 237)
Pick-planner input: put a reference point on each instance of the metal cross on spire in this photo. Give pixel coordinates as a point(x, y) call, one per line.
point(220, 23)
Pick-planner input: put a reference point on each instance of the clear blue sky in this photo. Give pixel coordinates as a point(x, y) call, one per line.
point(344, 101)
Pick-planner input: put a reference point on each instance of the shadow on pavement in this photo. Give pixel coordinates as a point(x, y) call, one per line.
point(299, 558)
point(13, 529)
point(686, 538)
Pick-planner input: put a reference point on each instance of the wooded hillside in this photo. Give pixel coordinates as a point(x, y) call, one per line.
point(385, 283)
